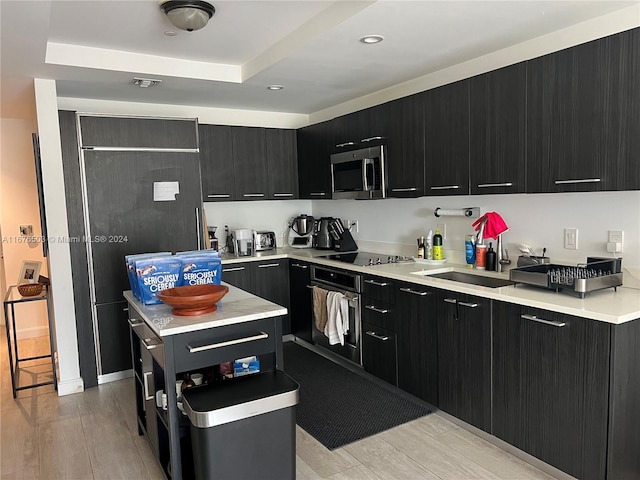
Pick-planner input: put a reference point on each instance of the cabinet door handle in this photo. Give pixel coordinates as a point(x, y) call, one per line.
point(345, 144)
point(133, 324)
point(236, 269)
point(489, 185)
point(148, 345)
point(377, 284)
point(253, 195)
point(260, 336)
point(445, 187)
point(283, 194)
point(415, 292)
point(219, 195)
point(304, 267)
point(125, 309)
point(533, 318)
point(309, 286)
point(384, 338)
point(450, 300)
point(267, 265)
point(317, 194)
point(577, 180)
point(145, 376)
point(468, 304)
point(406, 189)
point(376, 309)
point(370, 139)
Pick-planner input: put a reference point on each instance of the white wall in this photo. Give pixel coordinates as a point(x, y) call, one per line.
point(19, 206)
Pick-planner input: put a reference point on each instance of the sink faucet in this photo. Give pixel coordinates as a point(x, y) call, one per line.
point(501, 260)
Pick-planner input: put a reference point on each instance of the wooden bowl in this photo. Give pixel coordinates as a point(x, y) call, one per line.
point(30, 289)
point(193, 299)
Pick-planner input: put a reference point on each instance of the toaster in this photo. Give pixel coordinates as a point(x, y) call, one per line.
point(263, 240)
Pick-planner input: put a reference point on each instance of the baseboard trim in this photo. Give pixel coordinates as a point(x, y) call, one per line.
point(113, 377)
point(69, 387)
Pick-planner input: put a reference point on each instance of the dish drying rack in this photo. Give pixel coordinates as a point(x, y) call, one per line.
point(596, 274)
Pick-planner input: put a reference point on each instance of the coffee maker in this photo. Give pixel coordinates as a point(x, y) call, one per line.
point(301, 231)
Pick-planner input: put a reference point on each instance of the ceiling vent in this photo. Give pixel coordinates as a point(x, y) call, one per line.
point(145, 82)
point(188, 15)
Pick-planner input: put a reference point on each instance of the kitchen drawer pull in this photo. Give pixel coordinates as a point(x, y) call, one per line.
point(125, 309)
point(384, 338)
point(451, 300)
point(133, 324)
point(577, 180)
point(445, 187)
point(309, 286)
point(236, 269)
point(533, 318)
point(304, 267)
point(376, 309)
point(490, 185)
point(260, 336)
point(415, 292)
point(145, 375)
point(407, 189)
point(371, 139)
point(317, 194)
point(468, 304)
point(150, 346)
point(377, 284)
point(219, 195)
point(267, 265)
point(283, 194)
point(345, 144)
point(253, 195)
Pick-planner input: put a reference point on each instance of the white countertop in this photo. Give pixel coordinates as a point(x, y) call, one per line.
point(606, 305)
point(237, 306)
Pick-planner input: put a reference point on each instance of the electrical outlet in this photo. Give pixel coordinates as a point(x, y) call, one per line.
point(443, 229)
point(616, 236)
point(616, 241)
point(571, 238)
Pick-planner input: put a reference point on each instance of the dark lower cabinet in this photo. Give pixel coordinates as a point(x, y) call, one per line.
point(551, 387)
point(417, 337)
point(113, 333)
point(379, 352)
point(464, 357)
point(300, 300)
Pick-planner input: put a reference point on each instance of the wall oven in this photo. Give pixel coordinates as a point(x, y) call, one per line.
point(349, 284)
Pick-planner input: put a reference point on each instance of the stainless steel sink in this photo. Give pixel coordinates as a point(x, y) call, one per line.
point(473, 279)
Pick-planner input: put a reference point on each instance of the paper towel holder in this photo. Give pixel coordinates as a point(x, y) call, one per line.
point(458, 212)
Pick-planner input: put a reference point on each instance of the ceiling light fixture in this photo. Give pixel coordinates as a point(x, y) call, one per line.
point(370, 39)
point(145, 82)
point(275, 87)
point(188, 15)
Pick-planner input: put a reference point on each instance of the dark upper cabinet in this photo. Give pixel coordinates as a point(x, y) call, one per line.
point(498, 131)
point(249, 163)
point(314, 171)
point(301, 301)
point(360, 129)
point(138, 132)
point(551, 387)
point(416, 330)
point(405, 147)
point(282, 163)
point(446, 127)
point(583, 108)
point(464, 357)
point(216, 162)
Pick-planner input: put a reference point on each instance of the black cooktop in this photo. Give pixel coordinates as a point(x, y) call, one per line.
point(366, 258)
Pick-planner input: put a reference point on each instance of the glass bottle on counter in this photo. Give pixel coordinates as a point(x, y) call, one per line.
point(421, 247)
point(438, 253)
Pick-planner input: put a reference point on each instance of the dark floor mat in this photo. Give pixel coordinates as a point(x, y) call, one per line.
point(337, 406)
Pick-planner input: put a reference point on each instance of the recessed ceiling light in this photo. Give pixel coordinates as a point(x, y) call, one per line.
point(369, 39)
point(145, 82)
point(170, 33)
point(275, 87)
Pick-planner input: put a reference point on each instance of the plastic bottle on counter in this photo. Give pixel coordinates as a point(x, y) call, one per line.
point(438, 252)
point(470, 250)
point(428, 254)
point(490, 259)
point(481, 257)
point(421, 247)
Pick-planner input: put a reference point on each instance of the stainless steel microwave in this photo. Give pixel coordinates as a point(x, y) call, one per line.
point(359, 174)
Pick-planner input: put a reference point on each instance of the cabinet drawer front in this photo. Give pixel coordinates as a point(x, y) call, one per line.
point(378, 313)
point(379, 352)
point(224, 344)
point(379, 288)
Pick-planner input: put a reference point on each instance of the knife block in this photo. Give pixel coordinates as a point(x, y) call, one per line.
point(345, 243)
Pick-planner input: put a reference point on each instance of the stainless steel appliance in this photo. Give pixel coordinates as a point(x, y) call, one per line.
point(263, 240)
point(243, 242)
point(301, 230)
point(322, 238)
point(359, 174)
point(364, 259)
point(349, 284)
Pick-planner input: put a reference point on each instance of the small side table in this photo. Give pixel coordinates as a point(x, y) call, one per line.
point(12, 298)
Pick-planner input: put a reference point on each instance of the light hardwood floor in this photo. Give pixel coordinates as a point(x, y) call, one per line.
point(93, 435)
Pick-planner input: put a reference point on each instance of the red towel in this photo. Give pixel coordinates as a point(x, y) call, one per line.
point(494, 225)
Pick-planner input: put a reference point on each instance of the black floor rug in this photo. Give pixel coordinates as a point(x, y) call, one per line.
point(338, 406)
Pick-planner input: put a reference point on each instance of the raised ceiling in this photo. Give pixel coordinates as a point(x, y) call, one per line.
point(95, 48)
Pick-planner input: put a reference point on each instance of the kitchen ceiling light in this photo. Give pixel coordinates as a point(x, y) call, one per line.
point(370, 39)
point(275, 87)
point(145, 82)
point(188, 15)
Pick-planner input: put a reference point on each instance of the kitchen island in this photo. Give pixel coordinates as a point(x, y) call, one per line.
point(166, 348)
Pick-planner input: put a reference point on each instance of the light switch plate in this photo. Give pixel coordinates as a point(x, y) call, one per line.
point(571, 238)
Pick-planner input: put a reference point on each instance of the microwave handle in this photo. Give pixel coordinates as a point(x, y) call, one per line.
point(368, 164)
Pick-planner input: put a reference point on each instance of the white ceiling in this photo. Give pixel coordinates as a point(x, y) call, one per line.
point(94, 48)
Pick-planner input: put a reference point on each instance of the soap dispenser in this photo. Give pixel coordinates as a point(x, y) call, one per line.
point(491, 258)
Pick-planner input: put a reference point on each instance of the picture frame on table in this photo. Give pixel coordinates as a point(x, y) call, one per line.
point(29, 272)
